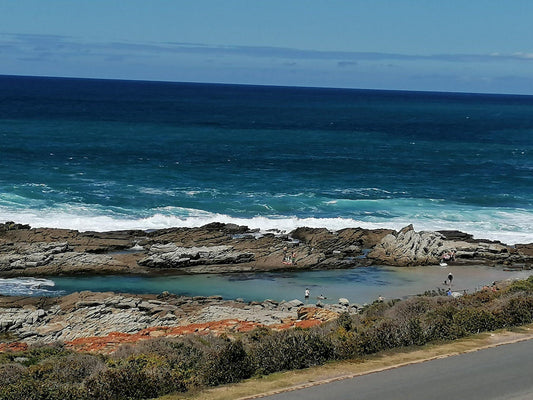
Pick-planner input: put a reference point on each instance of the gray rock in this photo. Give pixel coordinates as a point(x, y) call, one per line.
point(296, 303)
point(344, 302)
point(173, 256)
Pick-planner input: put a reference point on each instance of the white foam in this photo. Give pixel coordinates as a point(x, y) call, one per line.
point(506, 225)
point(26, 286)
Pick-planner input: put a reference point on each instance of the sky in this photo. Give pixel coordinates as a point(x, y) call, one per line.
point(483, 46)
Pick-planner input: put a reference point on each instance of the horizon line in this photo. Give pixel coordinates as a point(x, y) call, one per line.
point(296, 86)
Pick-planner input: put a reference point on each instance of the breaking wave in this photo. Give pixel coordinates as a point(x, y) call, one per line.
point(27, 287)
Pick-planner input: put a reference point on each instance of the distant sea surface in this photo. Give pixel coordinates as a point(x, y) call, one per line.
point(107, 155)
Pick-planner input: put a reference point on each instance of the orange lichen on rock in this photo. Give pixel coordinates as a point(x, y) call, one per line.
point(13, 346)
point(109, 343)
point(315, 313)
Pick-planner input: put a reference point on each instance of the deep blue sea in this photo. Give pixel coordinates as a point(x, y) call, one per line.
point(106, 155)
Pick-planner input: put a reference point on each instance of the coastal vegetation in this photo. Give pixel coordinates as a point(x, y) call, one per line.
point(160, 366)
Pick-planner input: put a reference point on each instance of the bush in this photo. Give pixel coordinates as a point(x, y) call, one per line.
point(347, 321)
point(479, 299)
point(518, 310)
point(123, 381)
point(382, 335)
point(374, 311)
point(411, 333)
point(226, 364)
point(72, 368)
point(28, 389)
point(525, 286)
point(37, 353)
point(184, 353)
point(25, 388)
point(11, 373)
point(345, 345)
point(291, 349)
point(472, 320)
point(438, 324)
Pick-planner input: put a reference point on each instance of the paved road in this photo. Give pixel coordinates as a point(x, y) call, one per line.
point(500, 373)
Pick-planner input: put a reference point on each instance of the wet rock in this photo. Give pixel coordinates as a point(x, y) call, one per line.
point(12, 226)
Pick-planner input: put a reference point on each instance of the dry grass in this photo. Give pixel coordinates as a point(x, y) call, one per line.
point(291, 380)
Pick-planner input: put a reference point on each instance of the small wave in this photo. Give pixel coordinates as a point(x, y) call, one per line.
point(27, 287)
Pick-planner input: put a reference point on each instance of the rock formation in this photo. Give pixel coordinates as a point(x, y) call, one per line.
point(220, 248)
point(409, 248)
point(172, 256)
point(78, 316)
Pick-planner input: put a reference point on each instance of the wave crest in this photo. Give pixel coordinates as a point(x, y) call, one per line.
point(507, 226)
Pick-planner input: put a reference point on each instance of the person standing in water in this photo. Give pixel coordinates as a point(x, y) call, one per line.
point(450, 279)
point(306, 294)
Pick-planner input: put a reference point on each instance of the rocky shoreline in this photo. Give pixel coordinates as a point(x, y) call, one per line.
point(102, 321)
point(90, 321)
point(222, 248)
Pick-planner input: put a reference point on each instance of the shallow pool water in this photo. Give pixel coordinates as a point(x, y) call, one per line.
point(358, 285)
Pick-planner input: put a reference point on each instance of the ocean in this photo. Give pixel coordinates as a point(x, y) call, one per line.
point(109, 155)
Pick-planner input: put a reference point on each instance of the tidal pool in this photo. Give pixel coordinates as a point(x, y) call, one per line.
point(358, 285)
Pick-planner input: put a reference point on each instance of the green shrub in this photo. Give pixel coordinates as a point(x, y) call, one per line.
point(291, 349)
point(258, 333)
point(11, 373)
point(525, 286)
point(40, 352)
point(438, 324)
point(414, 307)
point(374, 311)
point(479, 299)
point(345, 345)
point(127, 381)
point(28, 389)
point(346, 321)
point(411, 333)
point(25, 388)
point(518, 310)
point(472, 320)
point(184, 353)
point(226, 364)
point(383, 335)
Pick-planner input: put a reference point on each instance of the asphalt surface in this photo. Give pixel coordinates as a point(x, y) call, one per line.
point(500, 373)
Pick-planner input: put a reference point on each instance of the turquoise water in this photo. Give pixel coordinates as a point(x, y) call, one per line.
point(108, 155)
point(358, 285)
